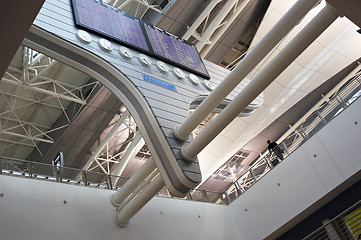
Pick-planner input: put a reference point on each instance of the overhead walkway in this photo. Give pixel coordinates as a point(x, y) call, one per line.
point(167, 131)
point(318, 170)
point(329, 109)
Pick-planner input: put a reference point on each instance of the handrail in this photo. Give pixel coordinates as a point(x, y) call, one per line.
point(347, 224)
point(49, 172)
point(67, 175)
point(345, 96)
point(43, 171)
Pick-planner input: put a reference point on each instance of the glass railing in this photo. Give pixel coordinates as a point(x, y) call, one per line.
point(316, 121)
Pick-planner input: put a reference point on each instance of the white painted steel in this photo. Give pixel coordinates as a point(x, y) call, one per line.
point(105, 141)
point(148, 6)
point(219, 33)
point(127, 156)
point(214, 25)
point(41, 90)
point(136, 179)
point(43, 71)
point(318, 24)
point(145, 183)
point(269, 41)
point(192, 29)
point(29, 137)
point(314, 108)
point(122, 219)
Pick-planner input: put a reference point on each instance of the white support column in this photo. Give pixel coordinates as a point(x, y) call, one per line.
point(122, 219)
point(140, 188)
point(219, 33)
point(324, 19)
point(192, 29)
point(136, 179)
point(127, 156)
point(283, 26)
point(213, 26)
point(105, 141)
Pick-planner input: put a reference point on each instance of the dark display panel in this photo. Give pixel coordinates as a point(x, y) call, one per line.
point(172, 48)
point(108, 21)
point(119, 26)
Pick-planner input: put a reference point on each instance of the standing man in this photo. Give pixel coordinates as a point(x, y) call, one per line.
point(273, 147)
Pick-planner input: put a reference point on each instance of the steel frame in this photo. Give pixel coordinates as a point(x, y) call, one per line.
point(138, 8)
point(37, 90)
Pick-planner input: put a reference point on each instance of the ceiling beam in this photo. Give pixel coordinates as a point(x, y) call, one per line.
point(48, 92)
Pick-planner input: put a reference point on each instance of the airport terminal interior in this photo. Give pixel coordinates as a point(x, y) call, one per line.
point(149, 119)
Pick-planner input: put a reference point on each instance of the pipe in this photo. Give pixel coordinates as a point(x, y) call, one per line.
point(212, 27)
point(122, 219)
point(318, 24)
point(127, 156)
point(220, 31)
point(118, 197)
point(268, 42)
point(144, 184)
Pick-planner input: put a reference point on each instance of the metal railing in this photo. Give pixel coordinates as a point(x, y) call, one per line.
point(330, 109)
point(346, 226)
point(345, 96)
point(49, 172)
point(67, 175)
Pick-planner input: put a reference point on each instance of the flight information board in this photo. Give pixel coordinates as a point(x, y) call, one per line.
point(170, 47)
point(103, 19)
point(116, 25)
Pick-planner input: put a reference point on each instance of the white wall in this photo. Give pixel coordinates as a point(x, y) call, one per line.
point(33, 209)
point(315, 169)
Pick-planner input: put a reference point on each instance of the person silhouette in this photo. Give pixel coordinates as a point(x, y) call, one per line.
point(273, 147)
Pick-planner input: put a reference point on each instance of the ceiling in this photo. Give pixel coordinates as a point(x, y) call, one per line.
point(236, 39)
point(48, 107)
